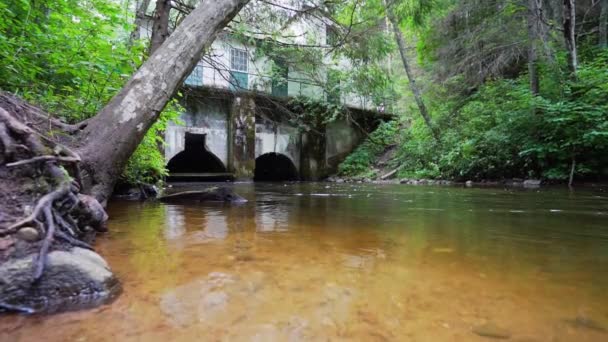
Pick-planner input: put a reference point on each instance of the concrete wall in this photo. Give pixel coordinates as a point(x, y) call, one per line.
point(342, 138)
point(209, 117)
point(278, 138)
point(237, 136)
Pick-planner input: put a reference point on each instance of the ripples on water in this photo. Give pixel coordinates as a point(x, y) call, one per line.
point(350, 262)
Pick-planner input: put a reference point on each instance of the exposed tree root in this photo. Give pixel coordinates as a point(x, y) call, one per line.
point(46, 243)
point(45, 202)
point(43, 159)
point(61, 213)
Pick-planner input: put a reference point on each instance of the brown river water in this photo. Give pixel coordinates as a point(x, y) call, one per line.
point(342, 262)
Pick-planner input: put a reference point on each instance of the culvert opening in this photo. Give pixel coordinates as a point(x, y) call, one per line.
point(195, 162)
point(273, 167)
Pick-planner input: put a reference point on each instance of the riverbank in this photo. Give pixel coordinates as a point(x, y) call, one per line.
point(47, 263)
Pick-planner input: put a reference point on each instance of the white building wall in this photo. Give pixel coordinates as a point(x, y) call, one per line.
point(307, 31)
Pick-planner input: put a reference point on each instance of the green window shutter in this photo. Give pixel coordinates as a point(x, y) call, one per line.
point(239, 80)
point(279, 84)
point(333, 87)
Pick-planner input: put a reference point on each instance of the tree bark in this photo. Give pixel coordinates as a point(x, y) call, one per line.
point(533, 21)
point(112, 136)
point(603, 26)
point(160, 28)
point(140, 17)
point(410, 76)
point(569, 27)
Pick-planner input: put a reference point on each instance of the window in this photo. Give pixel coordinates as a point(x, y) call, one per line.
point(238, 60)
point(239, 77)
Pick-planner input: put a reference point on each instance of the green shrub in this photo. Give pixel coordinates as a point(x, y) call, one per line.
point(503, 131)
point(359, 162)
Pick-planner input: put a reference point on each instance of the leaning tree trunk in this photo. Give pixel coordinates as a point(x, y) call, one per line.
point(410, 76)
point(603, 26)
point(112, 136)
point(569, 29)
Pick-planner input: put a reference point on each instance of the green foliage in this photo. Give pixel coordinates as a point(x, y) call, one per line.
point(65, 55)
point(502, 131)
point(309, 114)
point(359, 162)
point(70, 57)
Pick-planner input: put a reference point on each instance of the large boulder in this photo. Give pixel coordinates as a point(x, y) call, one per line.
point(74, 279)
point(214, 194)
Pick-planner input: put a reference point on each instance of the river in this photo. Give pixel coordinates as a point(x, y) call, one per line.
point(320, 261)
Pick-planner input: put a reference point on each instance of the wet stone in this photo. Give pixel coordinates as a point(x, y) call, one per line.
point(491, 330)
point(28, 234)
point(588, 323)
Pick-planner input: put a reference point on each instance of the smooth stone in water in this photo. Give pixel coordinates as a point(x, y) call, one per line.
point(74, 279)
point(491, 330)
point(588, 323)
point(28, 234)
point(532, 183)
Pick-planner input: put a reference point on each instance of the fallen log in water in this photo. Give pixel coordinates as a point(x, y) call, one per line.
point(214, 194)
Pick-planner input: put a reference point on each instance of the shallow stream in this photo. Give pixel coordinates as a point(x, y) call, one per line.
point(317, 262)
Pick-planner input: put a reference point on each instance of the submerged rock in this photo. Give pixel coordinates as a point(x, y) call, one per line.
point(215, 194)
point(73, 279)
point(532, 183)
point(491, 330)
point(588, 323)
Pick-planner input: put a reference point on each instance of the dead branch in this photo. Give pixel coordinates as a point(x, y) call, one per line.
point(44, 159)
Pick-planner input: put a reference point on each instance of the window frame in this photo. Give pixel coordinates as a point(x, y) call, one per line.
point(241, 65)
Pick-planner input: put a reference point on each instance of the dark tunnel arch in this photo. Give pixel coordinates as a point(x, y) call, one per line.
point(274, 167)
point(195, 158)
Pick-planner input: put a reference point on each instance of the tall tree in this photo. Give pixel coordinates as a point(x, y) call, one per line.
point(603, 25)
point(160, 27)
point(402, 46)
point(110, 137)
point(140, 18)
point(533, 21)
point(569, 30)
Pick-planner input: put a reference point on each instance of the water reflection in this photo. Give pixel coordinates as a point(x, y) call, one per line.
point(174, 222)
point(272, 219)
point(215, 225)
